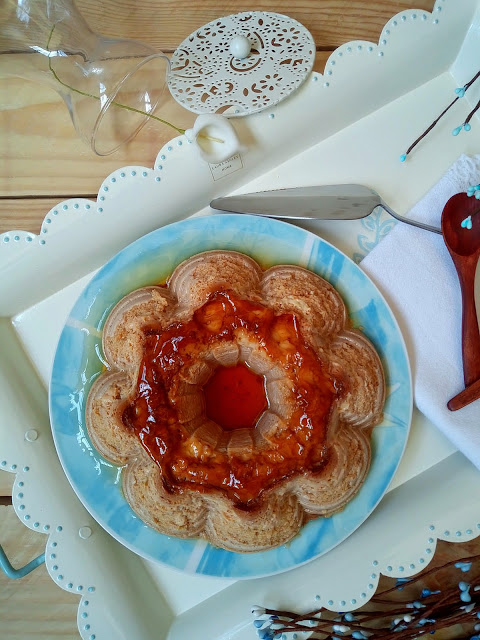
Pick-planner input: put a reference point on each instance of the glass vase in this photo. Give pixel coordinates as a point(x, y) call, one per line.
point(110, 86)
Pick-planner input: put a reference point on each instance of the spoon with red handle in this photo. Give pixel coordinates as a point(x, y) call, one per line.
point(463, 243)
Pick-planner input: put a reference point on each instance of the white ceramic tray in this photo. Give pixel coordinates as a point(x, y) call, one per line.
point(348, 125)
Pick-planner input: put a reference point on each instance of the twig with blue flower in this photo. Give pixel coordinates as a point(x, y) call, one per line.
point(466, 126)
point(474, 190)
point(388, 618)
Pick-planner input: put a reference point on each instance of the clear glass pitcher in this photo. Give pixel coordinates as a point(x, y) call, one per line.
point(110, 86)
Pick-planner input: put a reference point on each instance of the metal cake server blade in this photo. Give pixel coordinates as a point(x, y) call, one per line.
point(326, 202)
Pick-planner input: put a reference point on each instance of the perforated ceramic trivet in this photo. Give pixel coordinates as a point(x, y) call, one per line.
point(241, 64)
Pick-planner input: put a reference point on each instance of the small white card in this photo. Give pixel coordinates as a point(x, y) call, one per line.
point(225, 168)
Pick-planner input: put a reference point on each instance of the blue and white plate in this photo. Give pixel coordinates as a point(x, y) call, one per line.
point(79, 360)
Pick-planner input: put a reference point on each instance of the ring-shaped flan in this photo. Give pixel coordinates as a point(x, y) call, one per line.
point(239, 401)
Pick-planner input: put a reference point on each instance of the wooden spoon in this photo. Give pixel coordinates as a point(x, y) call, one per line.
point(464, 247)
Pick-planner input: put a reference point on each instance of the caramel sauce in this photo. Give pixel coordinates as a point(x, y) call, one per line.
point(235, 397)
point(187, 462)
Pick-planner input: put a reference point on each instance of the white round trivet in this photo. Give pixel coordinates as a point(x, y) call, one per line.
point(241, 63)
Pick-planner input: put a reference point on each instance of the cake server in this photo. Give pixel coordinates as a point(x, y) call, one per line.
point(327, 202)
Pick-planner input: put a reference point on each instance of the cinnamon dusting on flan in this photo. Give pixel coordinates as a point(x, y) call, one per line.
point(298, 447)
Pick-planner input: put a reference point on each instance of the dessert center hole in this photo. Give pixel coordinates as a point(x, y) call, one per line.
point(235, 397)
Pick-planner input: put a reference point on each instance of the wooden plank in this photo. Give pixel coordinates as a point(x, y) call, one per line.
point(24, 214)
point(33, 607)
point(166, 23)
point(6, 482)
point(41, 154)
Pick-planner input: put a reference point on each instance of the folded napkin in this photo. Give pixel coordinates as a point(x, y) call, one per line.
point(414, 271)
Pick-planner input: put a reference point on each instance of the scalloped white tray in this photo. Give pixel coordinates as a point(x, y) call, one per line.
point(349, 124)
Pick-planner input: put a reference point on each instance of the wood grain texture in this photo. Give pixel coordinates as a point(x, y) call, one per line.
point(41, 154)
point(465, 397)
point(166, 23)
point(25, 214)
point(464, 248)
point(33, 607)
point(6, 483)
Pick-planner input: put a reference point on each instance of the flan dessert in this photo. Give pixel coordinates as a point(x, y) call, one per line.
point(238, 401)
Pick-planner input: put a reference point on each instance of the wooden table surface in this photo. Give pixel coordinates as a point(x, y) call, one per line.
point(42, 161)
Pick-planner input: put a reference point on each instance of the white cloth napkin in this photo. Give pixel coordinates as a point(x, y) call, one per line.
point(414, 271)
